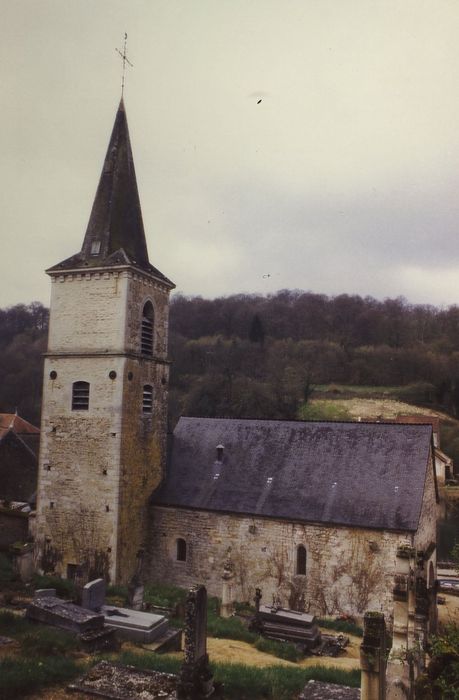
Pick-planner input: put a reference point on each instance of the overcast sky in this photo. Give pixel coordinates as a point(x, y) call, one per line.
point(343, 179)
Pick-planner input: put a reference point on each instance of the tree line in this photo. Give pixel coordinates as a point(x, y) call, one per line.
point(261, 356)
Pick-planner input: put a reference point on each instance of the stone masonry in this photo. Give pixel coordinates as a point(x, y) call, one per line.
point(97, 467)
point(348, 570)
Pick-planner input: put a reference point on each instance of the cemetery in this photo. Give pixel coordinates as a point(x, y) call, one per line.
point(51, 641)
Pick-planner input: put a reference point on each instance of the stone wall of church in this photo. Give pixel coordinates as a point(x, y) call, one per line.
point(77, 499)
point(347, 570)
point(143, 445)
point(427, 529)
point(98, 466)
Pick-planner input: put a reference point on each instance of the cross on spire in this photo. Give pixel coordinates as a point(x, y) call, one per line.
point(125, 60)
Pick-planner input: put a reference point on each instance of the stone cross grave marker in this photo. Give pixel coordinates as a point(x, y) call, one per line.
point(93, 595)
point(195, 682)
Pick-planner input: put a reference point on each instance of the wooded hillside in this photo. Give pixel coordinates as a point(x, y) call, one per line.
point(261, 356)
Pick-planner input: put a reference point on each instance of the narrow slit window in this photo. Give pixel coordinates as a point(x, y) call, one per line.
point(95, 248)
point(301, 561)
point(147, 405)
point(147, 330)
point(181, 549)
point(80, 396)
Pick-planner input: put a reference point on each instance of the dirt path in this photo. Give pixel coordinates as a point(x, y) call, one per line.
point(231, 651)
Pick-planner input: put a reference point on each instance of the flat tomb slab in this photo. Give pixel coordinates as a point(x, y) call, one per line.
point(67, 616)
point(286, 616)
point(107, 680)
point(135, 625)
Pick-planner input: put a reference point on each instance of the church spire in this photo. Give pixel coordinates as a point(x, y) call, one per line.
point(116, 218)
point(115, 233)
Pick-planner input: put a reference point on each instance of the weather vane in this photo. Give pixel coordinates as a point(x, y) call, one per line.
point(125, 60)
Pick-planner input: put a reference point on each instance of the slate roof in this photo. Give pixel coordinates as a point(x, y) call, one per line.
point(115, 223)
point(368, 475)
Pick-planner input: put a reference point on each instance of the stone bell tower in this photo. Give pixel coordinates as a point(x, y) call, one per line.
point(103, 431)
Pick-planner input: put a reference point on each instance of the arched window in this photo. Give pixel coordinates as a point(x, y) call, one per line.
point(80, 396)
point(181, 549)
point(146, 335)
point(301, 560)
point(147, 405)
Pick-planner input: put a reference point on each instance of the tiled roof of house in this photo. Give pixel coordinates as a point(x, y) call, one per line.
point(11, 421)
point(357, 474)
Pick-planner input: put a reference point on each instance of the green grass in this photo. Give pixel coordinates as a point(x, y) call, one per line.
point(359, 390)
point(340, 626)
point(21, 677)
point(44, 641)
point(163, 595)
point(12, 625)
point(8, 575)
point(226, 627)
point(64, 587)
point(323, 410)
point(229, 628)
point(248, 682)
point(283, 650)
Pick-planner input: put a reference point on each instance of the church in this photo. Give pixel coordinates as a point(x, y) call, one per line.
point(313, 512)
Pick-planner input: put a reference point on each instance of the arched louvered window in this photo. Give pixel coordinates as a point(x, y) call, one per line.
point(181, 549)
point(80, 396)
point(147, 405)
point(301, 560)
point(147, 330)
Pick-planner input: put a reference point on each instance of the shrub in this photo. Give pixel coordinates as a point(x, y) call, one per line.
point(283, 650)
point(48, 642)
point(64, 587)
point(21, 677)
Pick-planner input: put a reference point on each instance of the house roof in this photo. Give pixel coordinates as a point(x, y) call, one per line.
point(115, 235)
point(368, 475)
point(420, 419)
point(11, 421)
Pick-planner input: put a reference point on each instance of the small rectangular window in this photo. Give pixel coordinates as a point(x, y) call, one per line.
point(80, 396)
point(147, 405)
point(147, 337)
point(95, 248)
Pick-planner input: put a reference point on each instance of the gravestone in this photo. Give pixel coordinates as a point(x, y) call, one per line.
point(93, 595)
point(134, 625)
point(45, 593)
point(227, 606)
point(59, 613)
point(195, 682)
point(135, 594)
